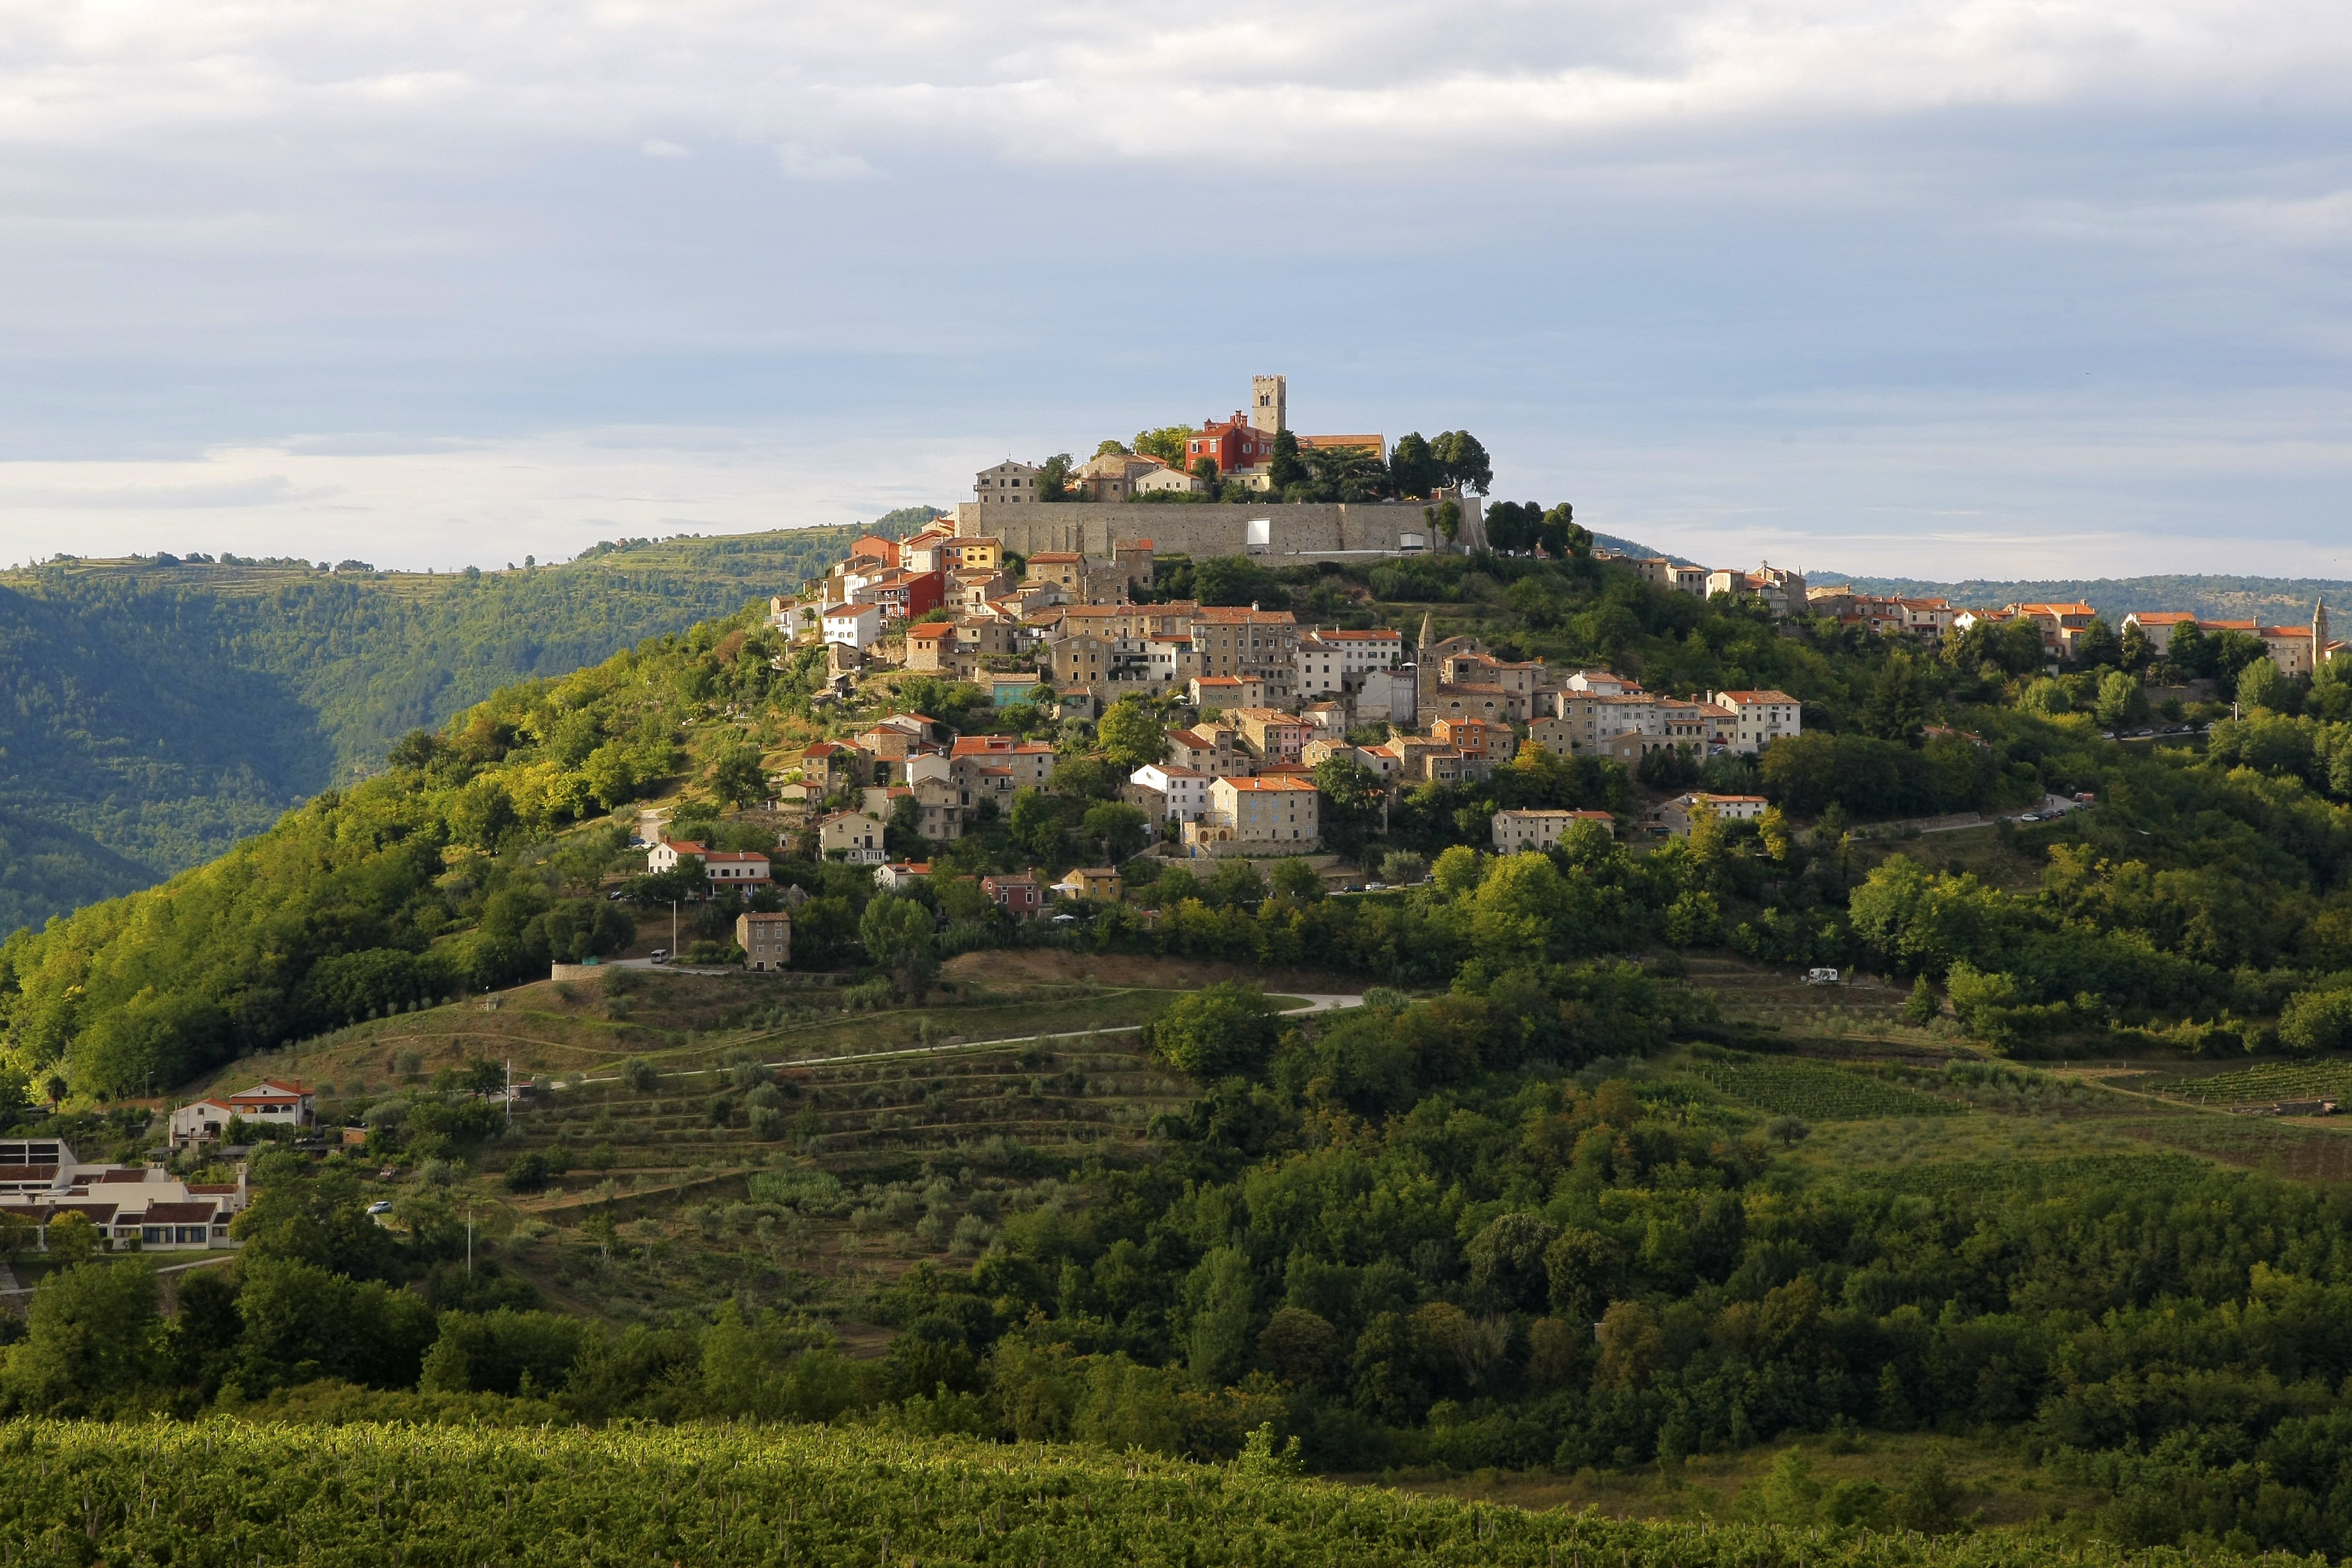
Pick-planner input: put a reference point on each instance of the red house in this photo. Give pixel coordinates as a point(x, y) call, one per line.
point(1235, 443)
point(902, 595)
point(1016, 894)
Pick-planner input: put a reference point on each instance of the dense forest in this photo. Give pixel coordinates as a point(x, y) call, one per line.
point(158, 711)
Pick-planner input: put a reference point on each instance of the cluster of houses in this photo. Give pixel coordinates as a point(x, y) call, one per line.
point(2296, 650)
point(43, 1181)
point(146, 1208)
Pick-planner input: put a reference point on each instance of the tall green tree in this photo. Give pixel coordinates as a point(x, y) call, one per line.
point(1463, 461)
point(1130, 735)
point(1054, 477)
point(901, 939)
point(1286, 470)
point(1411, 468)
point(1166, 443)
point(93, 1343)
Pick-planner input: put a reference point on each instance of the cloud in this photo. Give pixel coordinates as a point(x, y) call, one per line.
point(1887, 275)
point(801, 163)
point(1332, 84)
point(110, 488)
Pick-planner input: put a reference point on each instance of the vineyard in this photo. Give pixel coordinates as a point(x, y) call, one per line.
point(225, 1495)
point(2013, 1174)
point(2263, 1084)
point(1818, 1091)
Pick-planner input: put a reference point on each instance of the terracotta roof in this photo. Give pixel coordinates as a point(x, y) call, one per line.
point(1757, 697)
point(1271, 781)
point(180, 1213)
point(2161, 617)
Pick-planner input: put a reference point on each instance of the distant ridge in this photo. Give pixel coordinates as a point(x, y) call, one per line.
point(2283, 601)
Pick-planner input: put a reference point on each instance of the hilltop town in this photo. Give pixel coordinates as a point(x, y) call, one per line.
point(1054, 602)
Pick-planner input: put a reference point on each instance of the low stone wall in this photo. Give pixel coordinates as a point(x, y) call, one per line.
point(580, 971)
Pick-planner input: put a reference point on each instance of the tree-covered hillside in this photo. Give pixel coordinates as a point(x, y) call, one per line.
point(155, 712)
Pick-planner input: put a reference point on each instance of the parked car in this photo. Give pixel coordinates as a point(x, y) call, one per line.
point(381, 1205)
point(1821, 977)
point(660, 956)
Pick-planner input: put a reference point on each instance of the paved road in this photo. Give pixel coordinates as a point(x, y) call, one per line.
point(9, 1286)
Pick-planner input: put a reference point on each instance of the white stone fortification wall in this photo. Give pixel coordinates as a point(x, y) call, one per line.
point(1307, 529)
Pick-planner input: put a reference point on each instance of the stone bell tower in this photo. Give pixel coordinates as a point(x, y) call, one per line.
point(1269, 404)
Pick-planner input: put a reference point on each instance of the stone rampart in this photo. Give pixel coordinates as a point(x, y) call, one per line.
point(1304, 531)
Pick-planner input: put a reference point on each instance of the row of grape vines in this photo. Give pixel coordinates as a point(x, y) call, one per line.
point(1818, 1091)
point(2264, 1082)
point(224, 1494)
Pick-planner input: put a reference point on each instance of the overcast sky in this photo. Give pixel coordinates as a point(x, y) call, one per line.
point(1921, 287)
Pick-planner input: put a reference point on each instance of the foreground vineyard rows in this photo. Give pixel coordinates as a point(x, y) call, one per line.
point(225, 1495)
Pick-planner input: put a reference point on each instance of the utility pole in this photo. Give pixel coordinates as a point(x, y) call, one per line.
point(510, 1094)
point(673, 931)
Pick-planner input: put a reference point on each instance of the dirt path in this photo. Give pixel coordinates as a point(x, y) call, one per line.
point(1316, 1002)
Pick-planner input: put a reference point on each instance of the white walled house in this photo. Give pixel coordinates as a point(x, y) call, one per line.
point(853, 838)
point(735, 867)
point(1183, 791)
point(671, 853)
point(1541, 828)
point(1759, 717)
point(858, 625)
point(282, 1102)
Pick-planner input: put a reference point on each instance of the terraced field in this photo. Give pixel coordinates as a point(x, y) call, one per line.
point(2262, 1084)
point(1818, 1091)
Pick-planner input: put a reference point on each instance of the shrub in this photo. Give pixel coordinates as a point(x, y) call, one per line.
point(528, 1173)
point(2317, 1021)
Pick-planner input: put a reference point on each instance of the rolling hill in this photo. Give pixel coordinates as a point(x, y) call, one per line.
point(152, 712)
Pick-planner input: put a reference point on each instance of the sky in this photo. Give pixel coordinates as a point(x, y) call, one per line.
point(1925, 287)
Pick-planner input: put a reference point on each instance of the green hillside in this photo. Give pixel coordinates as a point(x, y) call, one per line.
point(1578, 1194)
point(154, 713)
